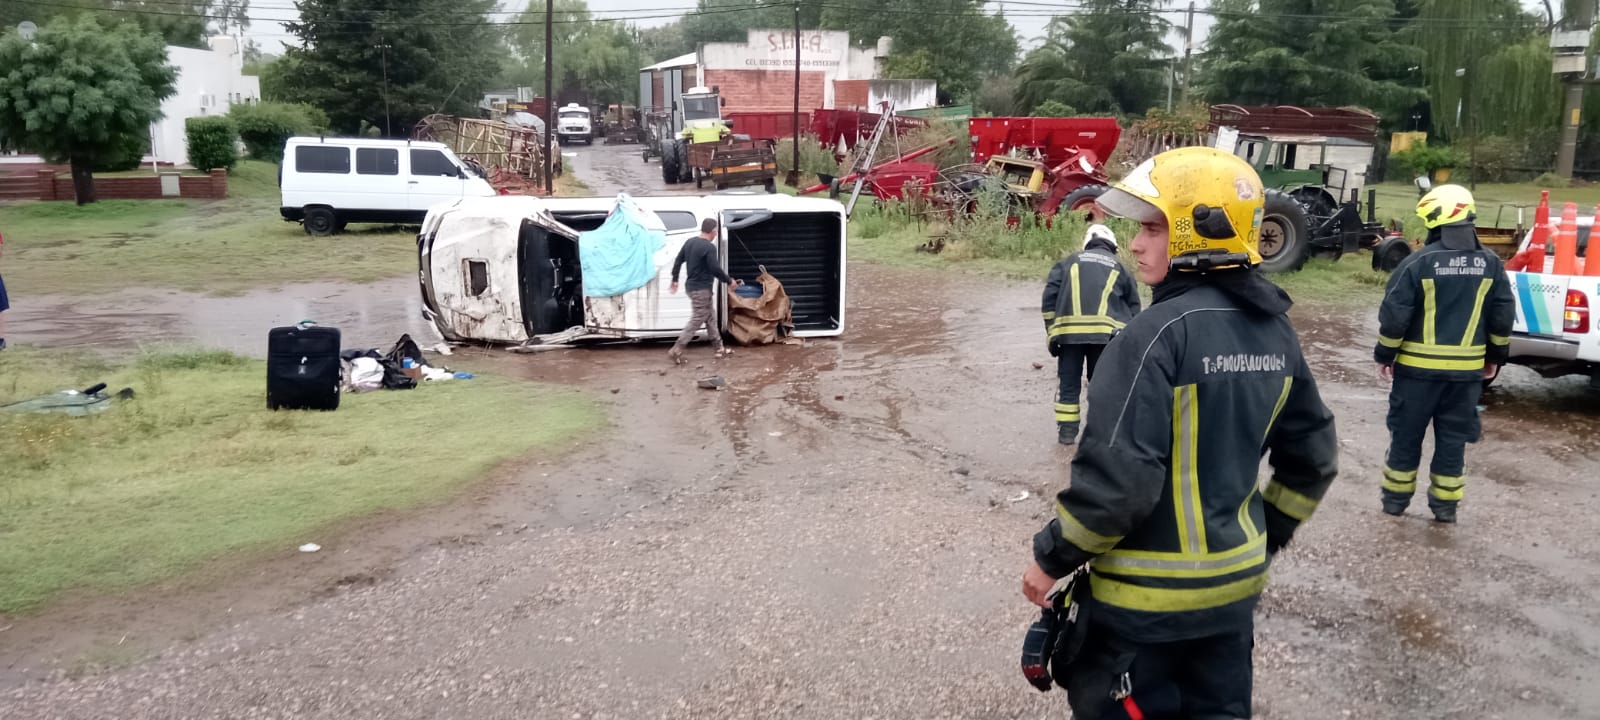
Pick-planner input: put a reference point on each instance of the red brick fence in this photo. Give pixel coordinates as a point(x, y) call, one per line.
point(51, 185)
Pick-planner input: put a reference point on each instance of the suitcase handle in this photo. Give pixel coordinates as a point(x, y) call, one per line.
point(303, 324)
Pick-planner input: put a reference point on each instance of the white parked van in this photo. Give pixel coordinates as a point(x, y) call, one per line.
point(329, 182)
point(574, 123)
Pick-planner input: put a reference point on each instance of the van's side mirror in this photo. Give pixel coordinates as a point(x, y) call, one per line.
point(461, 173)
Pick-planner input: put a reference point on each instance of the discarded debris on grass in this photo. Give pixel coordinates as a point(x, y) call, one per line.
point(195, 467)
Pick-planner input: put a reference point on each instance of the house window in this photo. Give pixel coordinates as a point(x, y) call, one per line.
point(317, 159)
point(377, 161)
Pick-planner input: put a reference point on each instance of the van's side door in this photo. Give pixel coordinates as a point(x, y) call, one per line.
point(433, 179)
point(378, 174)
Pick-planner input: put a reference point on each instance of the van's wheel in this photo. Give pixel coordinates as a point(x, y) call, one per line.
point(321, 222)
point(1285, 241)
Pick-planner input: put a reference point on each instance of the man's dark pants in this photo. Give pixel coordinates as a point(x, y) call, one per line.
point(1204, 679)
point(700, 302)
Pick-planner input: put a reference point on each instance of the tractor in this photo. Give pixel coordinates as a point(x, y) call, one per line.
point(1308, 210)
point(700, 112)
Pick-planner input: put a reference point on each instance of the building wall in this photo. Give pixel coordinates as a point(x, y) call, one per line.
point(852, 94)
point(767, 90)
point(766, 53)
point(209, 82)
point(903, 94)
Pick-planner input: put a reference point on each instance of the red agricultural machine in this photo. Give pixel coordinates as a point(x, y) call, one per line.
point(1037, 165)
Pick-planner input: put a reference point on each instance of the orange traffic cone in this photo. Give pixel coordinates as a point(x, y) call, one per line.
point(1532, 259)
point(1567, 242)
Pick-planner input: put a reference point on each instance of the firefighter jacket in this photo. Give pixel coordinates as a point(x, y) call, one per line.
point(1165, 502)
point(1088, 297)
point(1445, 314)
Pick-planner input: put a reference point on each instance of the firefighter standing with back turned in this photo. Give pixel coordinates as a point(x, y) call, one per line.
point(1444, 327)
point(1164, 503)
point(1088, 298)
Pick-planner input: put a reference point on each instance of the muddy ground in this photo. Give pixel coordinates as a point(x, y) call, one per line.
point(839, 533)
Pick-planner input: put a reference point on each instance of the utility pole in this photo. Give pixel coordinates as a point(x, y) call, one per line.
point(549, 98)
point(1188, 53)
point(793, 179)
point(383, 49)
point(1581, 20)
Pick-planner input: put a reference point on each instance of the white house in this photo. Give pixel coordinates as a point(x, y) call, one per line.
point(209, 82)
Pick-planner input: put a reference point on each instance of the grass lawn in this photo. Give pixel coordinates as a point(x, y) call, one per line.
point(1497, 202)
point(195, 468)
point(202, 246)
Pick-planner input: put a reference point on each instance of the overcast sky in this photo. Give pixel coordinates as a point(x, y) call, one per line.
point(1029, 20)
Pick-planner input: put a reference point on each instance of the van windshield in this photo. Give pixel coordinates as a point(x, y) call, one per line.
point(574, 114)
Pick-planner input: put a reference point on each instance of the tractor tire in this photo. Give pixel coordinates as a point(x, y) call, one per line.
point(669, 166)
point(771, 186)
point(321, 222)
point(1082, 200)
point(1390, 253)
point(1285, 240)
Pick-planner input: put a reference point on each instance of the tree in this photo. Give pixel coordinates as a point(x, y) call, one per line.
point(1110, 57)
point(953, 42)
point(1267, 52)
point(389, 63)
point(659, 43)
point(730, 20)
point(599, 57)
point(1501, 50)
point(80, 91)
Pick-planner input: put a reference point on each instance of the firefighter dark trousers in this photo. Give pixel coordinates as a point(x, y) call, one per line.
point(1452, 409)
point(1203, 679)
point(1070, 367)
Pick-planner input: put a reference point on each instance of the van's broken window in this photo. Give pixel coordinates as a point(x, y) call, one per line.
point(477, 275)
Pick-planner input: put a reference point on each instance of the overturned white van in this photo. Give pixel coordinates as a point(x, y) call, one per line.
point(507, 269)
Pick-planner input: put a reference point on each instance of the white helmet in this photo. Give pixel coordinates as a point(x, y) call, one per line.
point(1100, 232)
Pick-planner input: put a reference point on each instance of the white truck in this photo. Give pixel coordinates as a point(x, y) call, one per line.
point(507, 269)
point(1555, 333)
point(574, 123)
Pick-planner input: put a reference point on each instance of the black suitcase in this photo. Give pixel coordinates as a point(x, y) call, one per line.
point(303, 370)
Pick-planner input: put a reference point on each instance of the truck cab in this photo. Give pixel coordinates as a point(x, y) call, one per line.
point(1555, 332)
point(573, 123)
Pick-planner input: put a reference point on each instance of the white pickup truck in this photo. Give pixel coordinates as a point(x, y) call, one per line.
point(1555, 333)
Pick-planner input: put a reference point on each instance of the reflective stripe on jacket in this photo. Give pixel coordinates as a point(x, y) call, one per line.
point(1445, 314)
point(1164, 494)
point(1088, 298)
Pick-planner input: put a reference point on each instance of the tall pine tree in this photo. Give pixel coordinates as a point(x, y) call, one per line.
point(1311, 53)
point(1109, 57)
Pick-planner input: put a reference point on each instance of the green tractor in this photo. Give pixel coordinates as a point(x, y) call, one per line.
point(1309, 210)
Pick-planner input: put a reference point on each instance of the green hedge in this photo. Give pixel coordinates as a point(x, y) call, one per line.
point(213, 142)
point(264, 127)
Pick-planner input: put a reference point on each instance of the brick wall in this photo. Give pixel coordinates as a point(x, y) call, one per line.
point(766, 90)
point(53, 186)
point(852, 94)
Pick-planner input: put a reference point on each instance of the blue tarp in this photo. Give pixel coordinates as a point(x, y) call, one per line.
point(619, 255)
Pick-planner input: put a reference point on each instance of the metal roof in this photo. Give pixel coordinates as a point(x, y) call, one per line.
point(679, 61)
